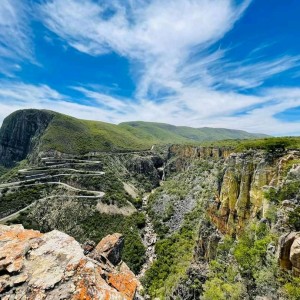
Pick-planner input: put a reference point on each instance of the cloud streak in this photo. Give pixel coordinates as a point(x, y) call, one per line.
point(182, 77)
point(259, 118)
point(15, 36)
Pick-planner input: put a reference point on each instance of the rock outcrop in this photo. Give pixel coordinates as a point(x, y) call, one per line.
point(289, 252)
point(53, 266)
point(20, 132)
point(247, 176)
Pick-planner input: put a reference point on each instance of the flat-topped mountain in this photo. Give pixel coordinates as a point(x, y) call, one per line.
point(26, 130)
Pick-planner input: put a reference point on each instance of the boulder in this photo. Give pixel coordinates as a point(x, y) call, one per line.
point(110, 248)
point(53, 266)
point(285, 244)
point(295, 256)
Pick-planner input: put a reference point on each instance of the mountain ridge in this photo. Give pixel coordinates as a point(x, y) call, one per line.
point(26, 130)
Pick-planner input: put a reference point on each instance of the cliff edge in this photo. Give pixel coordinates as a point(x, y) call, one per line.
point(54, 266)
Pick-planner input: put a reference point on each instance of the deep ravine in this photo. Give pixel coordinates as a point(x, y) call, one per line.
point(149, 239)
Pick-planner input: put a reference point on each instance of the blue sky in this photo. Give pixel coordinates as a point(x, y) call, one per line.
point(217, 63)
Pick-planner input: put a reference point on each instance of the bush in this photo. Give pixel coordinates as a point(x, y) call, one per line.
point(218, 289)
point(99, 225)
point(292, 289)
point(294, 218)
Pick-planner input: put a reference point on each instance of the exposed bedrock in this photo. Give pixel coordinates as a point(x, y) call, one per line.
point(53, 266)
point(20, 133)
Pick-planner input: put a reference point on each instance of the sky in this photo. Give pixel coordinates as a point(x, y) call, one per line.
point(215, 63)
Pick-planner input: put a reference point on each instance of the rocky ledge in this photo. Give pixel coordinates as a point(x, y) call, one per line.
point(54, 266)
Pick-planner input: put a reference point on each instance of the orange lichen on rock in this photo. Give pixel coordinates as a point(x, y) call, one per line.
point(125, 282)
point(109, 248)
point(53, 266)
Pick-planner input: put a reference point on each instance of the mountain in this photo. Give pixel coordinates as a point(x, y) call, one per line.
point(171, 133)
point(200, 220)
point(24, 131)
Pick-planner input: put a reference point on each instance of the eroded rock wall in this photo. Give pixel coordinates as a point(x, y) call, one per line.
point(19, 134)
point(247, 176)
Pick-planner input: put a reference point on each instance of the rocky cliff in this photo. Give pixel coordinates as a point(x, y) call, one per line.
point(228, 209)
point(54, 266)
point(20, 133)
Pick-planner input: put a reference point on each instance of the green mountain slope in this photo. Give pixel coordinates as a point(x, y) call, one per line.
point(23, 130)
point(163, 131)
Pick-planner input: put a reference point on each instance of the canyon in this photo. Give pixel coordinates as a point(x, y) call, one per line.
point(199, 221)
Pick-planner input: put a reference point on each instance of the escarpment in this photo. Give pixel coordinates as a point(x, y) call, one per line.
point(236, 205)
point(247, 178)
point(196, 220)
point(243, 181)
point(53, 266)
point(20, 133)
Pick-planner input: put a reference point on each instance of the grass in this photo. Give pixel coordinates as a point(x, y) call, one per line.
point(11, 174)
point(70, 135)
point(171, 133)
point(270, 144)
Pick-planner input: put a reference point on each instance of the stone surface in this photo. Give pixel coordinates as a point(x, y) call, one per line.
point(53, 266)
point(241, 198)
point(295, 255)
point(289, 252)
point(285, 244)
point(109, 248)
point(20, 133)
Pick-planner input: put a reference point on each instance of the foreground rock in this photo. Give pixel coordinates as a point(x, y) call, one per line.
point(53, 266)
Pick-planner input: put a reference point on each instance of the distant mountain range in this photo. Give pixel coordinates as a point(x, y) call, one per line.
point(24, 130)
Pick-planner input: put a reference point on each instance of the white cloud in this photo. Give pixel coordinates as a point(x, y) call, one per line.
point(171, 42)
point(18, 95)
point(15, 36)
point(179, 78)
point(176, 111)
point(159, 35)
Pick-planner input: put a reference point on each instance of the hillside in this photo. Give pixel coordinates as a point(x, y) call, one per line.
point(24, 131)
point(214, 220)
point(167, 132)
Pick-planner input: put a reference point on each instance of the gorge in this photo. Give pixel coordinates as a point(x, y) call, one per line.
point(201, 219)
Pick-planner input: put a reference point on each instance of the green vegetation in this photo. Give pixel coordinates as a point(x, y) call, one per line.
point(13, 200)
point(70, 135)
point(108, 183)
point(92, 225)
point(173, 258)
point(223, 287)
point(271, 144)
point(251, 249)
point(231, 277)
point(3, 170)
point(294, 218)
point(288, 191)
point(292, 288)
point(176, 134)
point(12, 174)
point(99, 225)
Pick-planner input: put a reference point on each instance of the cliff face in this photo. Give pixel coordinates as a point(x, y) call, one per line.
point(54, 266)
point(246, 178)
point(19, 134)
point(242, 181)
point(238, 205)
